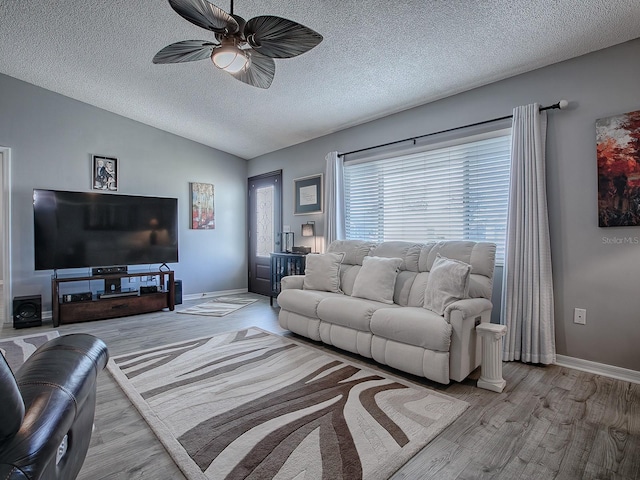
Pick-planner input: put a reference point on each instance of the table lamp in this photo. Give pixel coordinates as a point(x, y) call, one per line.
point(309, 230)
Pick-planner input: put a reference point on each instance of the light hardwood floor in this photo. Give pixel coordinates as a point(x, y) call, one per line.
point(549, 423)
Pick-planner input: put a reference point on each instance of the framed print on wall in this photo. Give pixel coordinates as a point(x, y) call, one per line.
point(202, 211)
point(618, 150)
point(104, 173)
point(307, 194)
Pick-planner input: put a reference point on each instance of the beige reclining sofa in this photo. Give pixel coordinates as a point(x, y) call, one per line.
point(411, 306)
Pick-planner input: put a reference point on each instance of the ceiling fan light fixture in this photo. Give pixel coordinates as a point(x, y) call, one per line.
point(244, 49)
point(230, 58)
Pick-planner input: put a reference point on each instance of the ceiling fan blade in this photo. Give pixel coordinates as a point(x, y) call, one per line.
point(260, 73)
point(278, 37)
point(186, 51)
point(206, 15)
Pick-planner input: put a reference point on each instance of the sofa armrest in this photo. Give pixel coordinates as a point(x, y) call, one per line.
point(469, 307)
point(58, 385)
point(292, 282)
point(465, 350)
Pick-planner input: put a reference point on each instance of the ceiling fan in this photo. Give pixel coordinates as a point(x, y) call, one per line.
point(244, 49)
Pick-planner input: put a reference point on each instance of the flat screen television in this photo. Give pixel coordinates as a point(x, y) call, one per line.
point(81, 229)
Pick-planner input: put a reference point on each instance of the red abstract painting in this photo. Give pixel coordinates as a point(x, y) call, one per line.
point(618, 149)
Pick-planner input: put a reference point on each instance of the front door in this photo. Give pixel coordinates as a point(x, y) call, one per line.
point(265, 224)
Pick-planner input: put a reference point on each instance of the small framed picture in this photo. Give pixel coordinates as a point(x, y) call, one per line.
point(307, 195)
point(105, 173)
point(202, 206)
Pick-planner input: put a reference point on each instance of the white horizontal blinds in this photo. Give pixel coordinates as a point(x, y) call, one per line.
point(451, 193)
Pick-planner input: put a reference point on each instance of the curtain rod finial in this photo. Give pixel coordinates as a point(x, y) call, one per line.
point(563, 104)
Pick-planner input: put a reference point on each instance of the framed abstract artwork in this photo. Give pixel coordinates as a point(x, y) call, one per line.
point(307, 194)
point(104, 173)
point(618, 152)
point(202, 206)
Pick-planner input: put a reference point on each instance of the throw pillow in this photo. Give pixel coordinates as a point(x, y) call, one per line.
point(322, 272)
point(376, 279)
point(448, 282)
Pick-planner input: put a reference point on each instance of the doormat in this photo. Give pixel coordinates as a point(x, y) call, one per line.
point(219, 306)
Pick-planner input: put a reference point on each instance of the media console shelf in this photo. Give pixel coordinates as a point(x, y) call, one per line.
point(118, 306)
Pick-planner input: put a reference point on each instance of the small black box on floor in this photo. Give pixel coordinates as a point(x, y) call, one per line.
point(27, 311)
point(178, 290)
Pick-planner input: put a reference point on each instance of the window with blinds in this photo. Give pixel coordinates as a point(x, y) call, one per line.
point(444, 193)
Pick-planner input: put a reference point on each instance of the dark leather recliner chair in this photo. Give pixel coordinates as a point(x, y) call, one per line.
point(47, 409)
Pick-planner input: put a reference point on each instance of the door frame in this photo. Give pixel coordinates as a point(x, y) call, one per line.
point(5, 218)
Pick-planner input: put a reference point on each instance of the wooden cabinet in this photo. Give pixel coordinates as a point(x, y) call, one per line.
point(283, 264)
point(114, 306)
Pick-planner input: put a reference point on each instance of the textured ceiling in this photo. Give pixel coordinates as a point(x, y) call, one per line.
point(377, 57)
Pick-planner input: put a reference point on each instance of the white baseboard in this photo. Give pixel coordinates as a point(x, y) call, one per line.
point(196, 296)
point(611, 371)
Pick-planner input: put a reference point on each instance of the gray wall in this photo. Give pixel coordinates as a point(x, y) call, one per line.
point(52, 138)
point(588, 272)
point(1, 221)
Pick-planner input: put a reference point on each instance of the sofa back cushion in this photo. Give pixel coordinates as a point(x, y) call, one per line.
point(409, 252)
point(354, 250)
point(418, 259)
point(354, 253)
point(480, 255)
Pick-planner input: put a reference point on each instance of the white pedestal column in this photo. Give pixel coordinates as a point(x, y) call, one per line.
point(491, 376)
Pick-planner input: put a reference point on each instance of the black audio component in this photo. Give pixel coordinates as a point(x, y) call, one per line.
point(178, 291)
point(27, 311)
point(148, 289)
point(109, 270)
point(125, 292)
point(77, 297)
point(112, 284)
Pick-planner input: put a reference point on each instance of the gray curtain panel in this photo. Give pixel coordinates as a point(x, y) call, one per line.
point(527, 296)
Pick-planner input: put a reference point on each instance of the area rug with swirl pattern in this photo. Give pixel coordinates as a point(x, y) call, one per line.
point(251, 404)
point(17, 349)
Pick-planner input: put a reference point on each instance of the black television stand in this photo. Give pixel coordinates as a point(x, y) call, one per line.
point(111, 304)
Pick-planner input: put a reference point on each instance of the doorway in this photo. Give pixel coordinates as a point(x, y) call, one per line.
point(265, 224)
point(5, 284)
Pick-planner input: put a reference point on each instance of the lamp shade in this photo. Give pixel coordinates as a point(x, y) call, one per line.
point(308, 230)
point(229, 58)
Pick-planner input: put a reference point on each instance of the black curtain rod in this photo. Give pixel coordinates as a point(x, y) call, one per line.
point(562, 104)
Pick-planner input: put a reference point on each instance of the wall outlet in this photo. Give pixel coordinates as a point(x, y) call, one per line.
point(580, 316)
